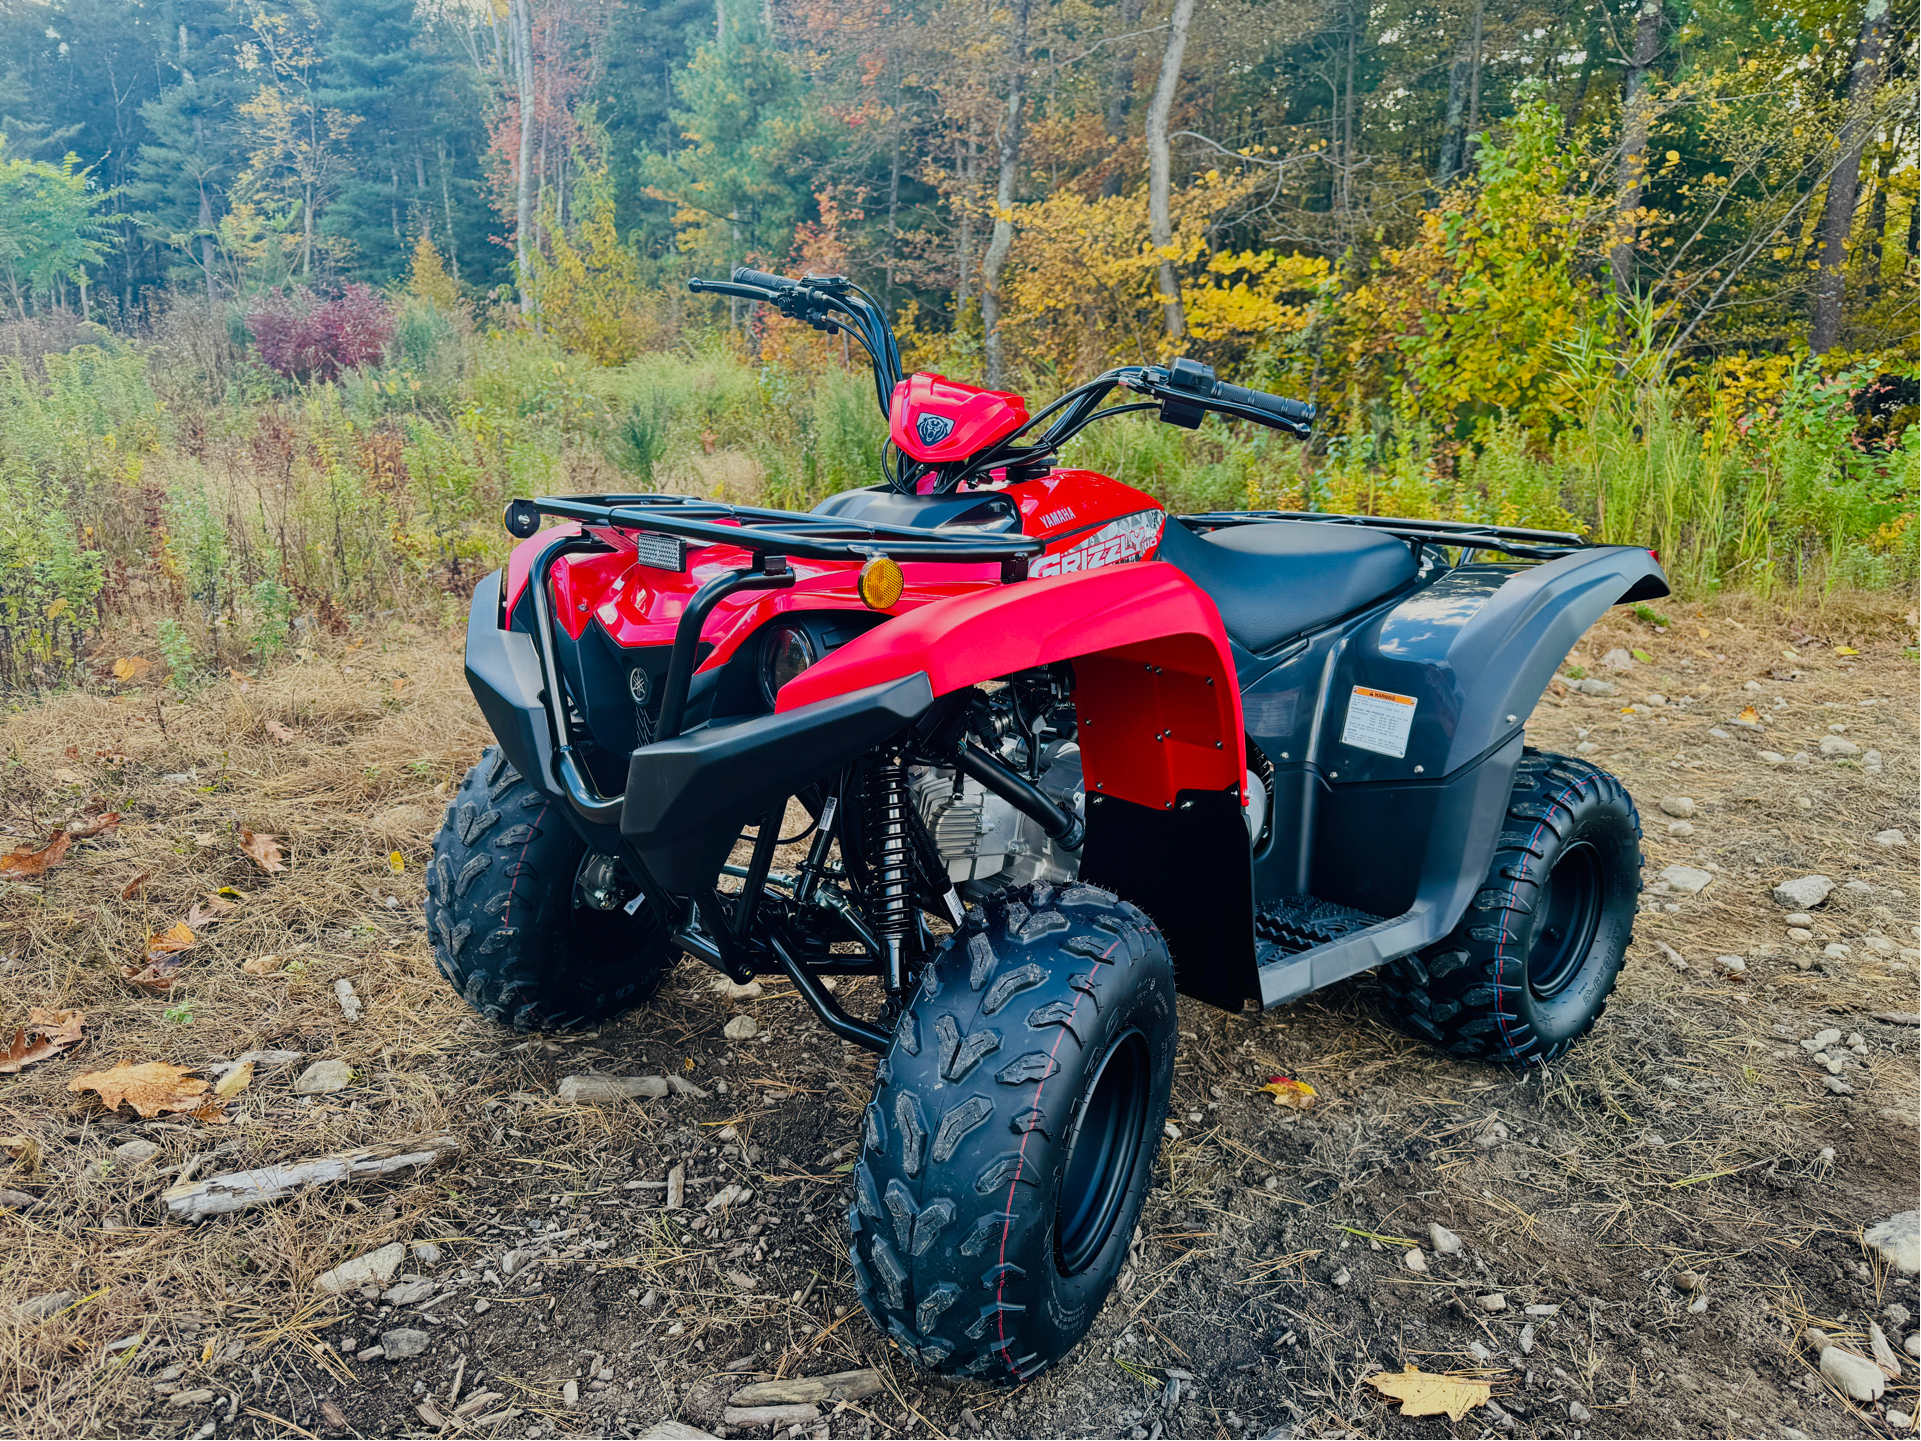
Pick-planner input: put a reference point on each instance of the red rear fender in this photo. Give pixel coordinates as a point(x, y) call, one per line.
point(1154, 693)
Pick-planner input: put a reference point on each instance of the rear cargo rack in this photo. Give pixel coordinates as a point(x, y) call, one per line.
point(796, 534)
point(1463, 534)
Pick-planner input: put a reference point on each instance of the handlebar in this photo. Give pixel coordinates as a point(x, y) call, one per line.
point(1187, 390)
point(744, 276)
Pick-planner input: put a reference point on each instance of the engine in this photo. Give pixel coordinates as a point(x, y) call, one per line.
point(984, 840)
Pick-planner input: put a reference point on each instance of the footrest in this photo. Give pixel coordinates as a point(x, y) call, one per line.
point(1294, 924)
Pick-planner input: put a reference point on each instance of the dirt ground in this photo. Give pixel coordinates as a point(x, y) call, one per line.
point(1691, 1141)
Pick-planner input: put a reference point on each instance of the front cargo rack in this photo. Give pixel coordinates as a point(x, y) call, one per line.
point(792, 533)
point(1462, 534)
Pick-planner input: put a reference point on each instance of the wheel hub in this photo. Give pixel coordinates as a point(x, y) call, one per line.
point(1103, 1153)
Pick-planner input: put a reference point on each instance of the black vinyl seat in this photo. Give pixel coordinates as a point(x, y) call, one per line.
point(1274, 579)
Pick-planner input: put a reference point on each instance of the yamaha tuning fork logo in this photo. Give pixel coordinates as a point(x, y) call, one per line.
point(933, 429)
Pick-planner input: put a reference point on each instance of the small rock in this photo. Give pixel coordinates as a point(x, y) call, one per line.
point(1479, 1352)
point(1492, 1302)
point(1859, 888)
point(1527, 1339)
point(1691, 1281)
point(425, 1252)
point(1618, 659)
point(728, 1195)
point(1732, 965)
point(1884, 1356)
point(1537, 1310)
point(740, 1280)
point(1913, 1345)
point(1672, 956)
point(11, 1200)
point(1799, 759)
point(1720, 734)
point(1890, 838)
point(374, 1268)
point(570, 1395)
point(741, 1028)
point(1800, 933)
point(1835, 748)
point(1835, 951)
point(1586, 748)
point(402, 1343)
point(1900, 1420)
point(1171, 1131)
point(1578, 1413)
point(1814, 1338)
point(1896, 1313)
point(1444, 1241)
point(1820, 1040)
point(1680, 807)
point(1591, 686)
point(1698, 1306)
point(1680, 828)
point(1770, 758)
point(134, 1152)
point(1871, 763)
point(1798, 918)
point(1898, 1240)
point(738, 990)
point(1802, 893)
point(1838, 1086)
point(407, 1293)
point(1688, 880)
point(1856, 1376)
point(349, 1002)
point(608, 1090)
point(1415, 1260)
point(324, 1077)
point(1655, 699)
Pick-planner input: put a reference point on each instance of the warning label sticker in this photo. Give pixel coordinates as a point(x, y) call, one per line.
point(1378, 721)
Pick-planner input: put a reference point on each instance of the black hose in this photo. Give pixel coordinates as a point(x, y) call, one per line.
point(1062, 826)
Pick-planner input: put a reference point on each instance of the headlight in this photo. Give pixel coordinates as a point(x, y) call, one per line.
point(785, 651)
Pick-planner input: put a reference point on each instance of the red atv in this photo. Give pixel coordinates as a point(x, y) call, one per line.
point(1065, 756)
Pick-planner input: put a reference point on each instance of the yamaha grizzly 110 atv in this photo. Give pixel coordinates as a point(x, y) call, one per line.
point(1065, 756)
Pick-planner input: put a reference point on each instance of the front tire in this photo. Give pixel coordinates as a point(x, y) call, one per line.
point(529, 927)
point(1011, 1140)
point(1528, 970)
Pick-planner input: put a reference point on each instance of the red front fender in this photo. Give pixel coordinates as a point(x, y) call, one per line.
point(1154, 689)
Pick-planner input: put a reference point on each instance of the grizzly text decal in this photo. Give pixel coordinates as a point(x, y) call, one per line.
point(1129, 538)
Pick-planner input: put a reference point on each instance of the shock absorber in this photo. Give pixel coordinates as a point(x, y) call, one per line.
point(890, 855)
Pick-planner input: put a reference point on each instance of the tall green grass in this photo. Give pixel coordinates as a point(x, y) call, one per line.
point(173, 478)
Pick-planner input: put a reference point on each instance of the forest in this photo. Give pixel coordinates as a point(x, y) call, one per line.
point(297, 292)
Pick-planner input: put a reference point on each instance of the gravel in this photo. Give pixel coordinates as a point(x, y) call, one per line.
point(1835, 748)
point(1444, 1241)
point(1890, 838)
point(1680, 807)
point(1688, 880)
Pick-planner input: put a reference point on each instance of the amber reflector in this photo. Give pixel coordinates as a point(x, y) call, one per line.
point(880, 583)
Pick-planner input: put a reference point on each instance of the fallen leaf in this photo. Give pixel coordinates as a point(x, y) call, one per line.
point(261, 965)
point(1295, 1095)
point(24, 860)
point(1750, 716)
point(1846, 650)
point(1421, 1393)
point(281, 735)
point(1642, 656)
point(400, 684)
point(73, 753)
point(1706, 634)
point(205, 839)
point(131, 667)
point(46, 1033)
point(81, 829)
point(23, 1149)
point(132, 887)
point(264, 849)
point(1790, 653)
point(234, 1082)
point(179, 938)
point(152, 1089)
point(240, 682)
point(199, 915)
point(397, 863)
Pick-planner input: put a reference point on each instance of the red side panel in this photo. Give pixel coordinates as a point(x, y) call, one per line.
point(935, 419)
point(1155, 693)
point(520, 564)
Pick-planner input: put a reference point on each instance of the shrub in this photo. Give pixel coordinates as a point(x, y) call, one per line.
point(303, 337)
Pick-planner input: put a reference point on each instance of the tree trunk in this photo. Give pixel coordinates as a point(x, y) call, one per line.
point(447, 203)
point(1120, 92)
point(1474, 84)
point(1160, 223)
point(1454, 126)
point(523, 31)
point(1844, 183)
point(1637, 118)
point(1003, 238)
point(964, 239)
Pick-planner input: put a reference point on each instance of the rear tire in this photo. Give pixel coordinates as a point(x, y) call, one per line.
point(513, 927)
point(1011, 1140)
point(1528, 970)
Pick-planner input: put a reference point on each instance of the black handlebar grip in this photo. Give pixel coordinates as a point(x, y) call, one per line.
point(1295, 412)
point(745, 276)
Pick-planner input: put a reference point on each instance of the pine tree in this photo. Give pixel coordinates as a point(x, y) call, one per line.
point(648, 43)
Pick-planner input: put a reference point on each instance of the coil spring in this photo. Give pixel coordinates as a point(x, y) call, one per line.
point(890, 849)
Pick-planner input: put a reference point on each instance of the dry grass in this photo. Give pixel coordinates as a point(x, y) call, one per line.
point(1579, 1206)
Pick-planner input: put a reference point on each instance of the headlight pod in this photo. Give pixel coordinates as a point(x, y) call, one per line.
point(785, 651)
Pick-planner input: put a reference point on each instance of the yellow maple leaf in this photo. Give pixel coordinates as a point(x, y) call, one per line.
point(1421, 1393)
point(130, 667)
point(1749, 715)
point(1846, 650)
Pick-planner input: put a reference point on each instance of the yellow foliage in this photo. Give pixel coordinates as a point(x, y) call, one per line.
point(428, 279)
point(588, 290)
